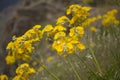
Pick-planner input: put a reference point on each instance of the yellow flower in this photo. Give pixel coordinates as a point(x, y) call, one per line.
point(59, 35)
point(86, 8)
point(10, 59)
point(81, 46)
point(74, 8)
point(109, 18)
point(28, 46)
point(62, 20)
point(40, 69)
point(80, 30)
point(3, 77)
point(49, 59)
point(74, 39)
point(18, 77)
point(59, 28)
point(74, 19)
point(26, 57)
point(66, 44)
point(20, 50)
point(78, 12)
point(31, 71)
point(93, 29)
point(70, 48)
point(48, 28)
point(30, 33)
point(88, 21)
point(99, 17)
point(76, 31)
point(24, 70)
point(72, 32)
point(58, 46)
point(36, 27)
point(10, 45)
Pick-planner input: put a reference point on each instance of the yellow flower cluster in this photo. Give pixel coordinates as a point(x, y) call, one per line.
point(23, 72)
point(109, 18)
point(78, 13)
point(22, 47)
point(80, 16)
point(64, 36)
point(67, 44)
point(51, 31)
point(3, 77)
point(89, 21)
point(62, 20)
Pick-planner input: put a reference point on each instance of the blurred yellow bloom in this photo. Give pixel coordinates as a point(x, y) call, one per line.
point(80, 30)
point(48, 28)
point(20, 50)
point(22, 47)
point(110, 19)
point(62, 20)
point(10, 59)
point(88, 21)
point(86, 8)
point(58, 45)
point(28, 46)
point(65, 55)
point(78, 12)
point(72, 32)
point(40, 69)
point(56, 32)
point(74, 19)
point(93, 29)
point(73, 39)
point(67, 44)
point(24, 70)
point(59, 35)
point(70, 48)
point(76, 31)
point(81, 46)
point(99, 17)
point(59, 28)
point(18, 77)
point(3, 77)
point(37, 27)
point(10, 45)
point(26, 57)
point(30, 33)
point(49, 59)
point(74, 8)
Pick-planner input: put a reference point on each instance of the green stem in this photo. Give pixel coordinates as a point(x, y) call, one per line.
point(76, 73)
point(86, 64)
point(96, 61)
point(53, 75)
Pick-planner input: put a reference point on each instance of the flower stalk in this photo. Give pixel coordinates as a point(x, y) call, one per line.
point(73, 68)
point(96, 61)
point(43, 66)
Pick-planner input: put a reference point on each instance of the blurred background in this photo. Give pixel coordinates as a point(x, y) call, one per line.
point(17, 16)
